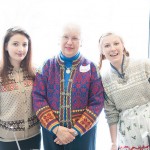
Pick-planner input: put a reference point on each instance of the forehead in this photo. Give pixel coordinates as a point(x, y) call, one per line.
point(19, 37)
point(71, 30)
point(110, 39)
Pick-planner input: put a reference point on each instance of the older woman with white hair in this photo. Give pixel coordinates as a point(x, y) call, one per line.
point(68, 96)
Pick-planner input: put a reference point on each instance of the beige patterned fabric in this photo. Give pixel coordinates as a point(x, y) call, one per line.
point(16, 113)
point(128, 92)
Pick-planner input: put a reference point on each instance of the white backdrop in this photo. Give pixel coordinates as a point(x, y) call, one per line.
point(44, 18)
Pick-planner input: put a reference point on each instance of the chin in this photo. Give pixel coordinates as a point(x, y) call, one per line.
point(68, 54)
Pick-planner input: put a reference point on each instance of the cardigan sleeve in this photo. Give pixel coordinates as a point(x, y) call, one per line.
point(111, 113)
point(95, 103)
point(40, 104)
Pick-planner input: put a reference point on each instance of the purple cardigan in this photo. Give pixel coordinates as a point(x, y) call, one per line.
point(84, 95)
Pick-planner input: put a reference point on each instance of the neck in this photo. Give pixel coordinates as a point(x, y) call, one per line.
point(118, 64)
point(69, 59)
point(16, 66)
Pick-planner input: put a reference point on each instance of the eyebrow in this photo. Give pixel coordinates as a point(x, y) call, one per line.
point(18, 41)
point(106, 43)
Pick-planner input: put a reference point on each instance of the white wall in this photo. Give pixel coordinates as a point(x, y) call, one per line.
point(43, 20)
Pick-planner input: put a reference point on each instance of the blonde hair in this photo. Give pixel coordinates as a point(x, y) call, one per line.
point(102, 57)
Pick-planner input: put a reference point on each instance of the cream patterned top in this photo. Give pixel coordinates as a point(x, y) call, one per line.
point(16, 113)
point(127, 92)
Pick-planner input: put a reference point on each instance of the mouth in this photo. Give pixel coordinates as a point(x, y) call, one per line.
point(20, 54)
point(114, 54)
point(69, 48)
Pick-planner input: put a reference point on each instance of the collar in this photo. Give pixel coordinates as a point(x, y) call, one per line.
point(124, 65)
point(69, 59)
point(75, 62)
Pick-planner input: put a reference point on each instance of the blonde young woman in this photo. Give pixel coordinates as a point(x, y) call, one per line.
point(127, 95)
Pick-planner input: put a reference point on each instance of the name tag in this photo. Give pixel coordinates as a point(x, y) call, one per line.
point(84, 68)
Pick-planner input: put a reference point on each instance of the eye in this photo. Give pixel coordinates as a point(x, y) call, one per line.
point(107, 45)
point(116, 43)
point(65, 37)
point(25, 45)
point(15, 44)
point(75, 39)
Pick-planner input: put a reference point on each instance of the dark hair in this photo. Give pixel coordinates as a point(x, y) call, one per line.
point(102, 57)
point(26, 64)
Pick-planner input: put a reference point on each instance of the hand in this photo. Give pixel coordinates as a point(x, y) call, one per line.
point(114, 146)
point(63, 136)
point(73, 132)
point(58, 141)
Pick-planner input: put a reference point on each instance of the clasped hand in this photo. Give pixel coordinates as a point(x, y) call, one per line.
point(64, 135)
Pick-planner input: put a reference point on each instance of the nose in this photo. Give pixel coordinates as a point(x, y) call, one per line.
point(113, 47)
point(69, 41)
point(20, 49)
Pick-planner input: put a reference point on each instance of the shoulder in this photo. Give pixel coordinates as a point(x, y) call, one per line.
point(106, 77)
point(105, 70)
point(89, 65)
point(86, 61)
point(45, 65)
point(139, 62)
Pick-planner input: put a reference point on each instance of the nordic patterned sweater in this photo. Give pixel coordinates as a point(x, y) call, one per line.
point(128, 92)
point(84, 95)
point(16, 113)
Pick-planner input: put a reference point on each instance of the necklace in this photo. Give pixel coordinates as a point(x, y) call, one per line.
point(19, 79)
point(68, 70)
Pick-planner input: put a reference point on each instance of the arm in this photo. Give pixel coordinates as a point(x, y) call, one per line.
point(112, 116)
point(43, 110)
point(113, 134)
point(40, 104)
point(95, 103)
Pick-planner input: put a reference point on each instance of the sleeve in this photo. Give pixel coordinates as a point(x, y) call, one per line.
point(95, 103)
point(39, 94)
point(111, 113)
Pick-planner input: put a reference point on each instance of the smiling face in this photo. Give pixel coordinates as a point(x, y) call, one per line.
point(17, 48)
point(112, 48)
point(70, 40)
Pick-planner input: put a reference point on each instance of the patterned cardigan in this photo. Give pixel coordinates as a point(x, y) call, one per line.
point(84, 95)
point(16, 112)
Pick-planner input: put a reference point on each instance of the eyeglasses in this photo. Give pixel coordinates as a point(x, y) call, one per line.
point(73, 39)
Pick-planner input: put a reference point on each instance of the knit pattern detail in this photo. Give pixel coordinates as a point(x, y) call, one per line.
point(85, 94)
point(66, 94)
point(16, 113)
point(126, 93)
point(47, 117)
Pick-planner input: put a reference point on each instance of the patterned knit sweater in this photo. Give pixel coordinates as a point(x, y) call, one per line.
point(127, 92)
point(84, 95)
point(16, 113)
